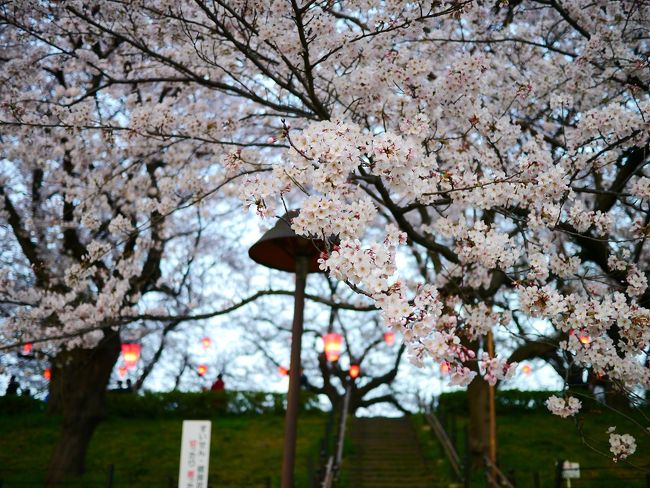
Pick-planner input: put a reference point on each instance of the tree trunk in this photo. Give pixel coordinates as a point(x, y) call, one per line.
point(78, 393)
point(479, 421)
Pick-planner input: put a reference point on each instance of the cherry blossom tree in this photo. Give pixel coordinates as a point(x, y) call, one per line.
point(102, 234)
point(506, 142)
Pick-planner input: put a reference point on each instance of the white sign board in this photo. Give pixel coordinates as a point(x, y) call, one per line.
point(195, 454)
point(570, 470)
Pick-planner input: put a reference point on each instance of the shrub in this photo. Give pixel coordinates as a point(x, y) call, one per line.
point(11, 405)
point(205, 404)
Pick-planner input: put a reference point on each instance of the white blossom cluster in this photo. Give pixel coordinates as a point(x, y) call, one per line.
point(323, 217)
point(621, 445)
point(563, 407)
point(495, 369)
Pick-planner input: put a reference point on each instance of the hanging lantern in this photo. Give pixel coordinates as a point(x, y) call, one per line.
point(526, 369)
point(333, 343)
point(354, 371)
point(121, 371)
point(206, 342)
point(131, 355)
point(444, 367)
point(389, 338)
point(582, 336)
point(47, 374)
point(27, 348)
point(283, 371)
point(202, 369)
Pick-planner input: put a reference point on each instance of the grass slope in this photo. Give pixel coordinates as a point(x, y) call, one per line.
point(533, 442)
point(246, 450)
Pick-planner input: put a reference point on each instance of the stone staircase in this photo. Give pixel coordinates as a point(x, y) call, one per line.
point(386, 454)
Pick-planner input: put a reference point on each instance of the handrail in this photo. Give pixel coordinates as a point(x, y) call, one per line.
point(501, 479)
point(333, 466)
point(329, 473)
point(447, 445)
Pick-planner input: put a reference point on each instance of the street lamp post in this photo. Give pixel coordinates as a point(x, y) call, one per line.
point(281, 248)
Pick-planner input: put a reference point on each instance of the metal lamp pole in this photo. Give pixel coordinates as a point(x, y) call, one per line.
point(293, 397)
point(281, 248)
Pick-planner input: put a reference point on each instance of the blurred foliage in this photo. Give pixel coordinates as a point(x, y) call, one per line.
point(507, 401)
point(177, 404)
point(12, 405)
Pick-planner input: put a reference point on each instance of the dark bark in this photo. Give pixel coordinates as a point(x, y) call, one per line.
point(479, 421)
point(78, 393)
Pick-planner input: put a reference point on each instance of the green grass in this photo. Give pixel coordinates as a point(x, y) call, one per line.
point(533, 442)
point(246, 450)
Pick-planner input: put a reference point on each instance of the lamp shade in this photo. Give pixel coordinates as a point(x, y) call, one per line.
point(279, 247)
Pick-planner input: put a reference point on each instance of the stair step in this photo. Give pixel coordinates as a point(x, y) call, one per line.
point(376, 443)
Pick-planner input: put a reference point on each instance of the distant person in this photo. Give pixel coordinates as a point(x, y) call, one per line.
point(25, 392)
point(129, 386)
point(12, 387)
point(218, 385)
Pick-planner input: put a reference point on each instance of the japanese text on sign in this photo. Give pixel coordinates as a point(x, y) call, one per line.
point(195, 454)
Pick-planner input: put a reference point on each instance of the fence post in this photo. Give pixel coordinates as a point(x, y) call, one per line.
point(559, 467)
point(111, 474)
point(536, 479)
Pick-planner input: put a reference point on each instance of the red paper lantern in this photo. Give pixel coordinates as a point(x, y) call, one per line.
point(27, 348)
point(47, 374)
point(206, 342)
point(444, 367)
point(131, 355)
point(389, 338)
point(354, 371)
point(333, 343)
point(526, 369)
point(121, 371)
point(582, 335)
point(283, 371)
point(202, 369)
